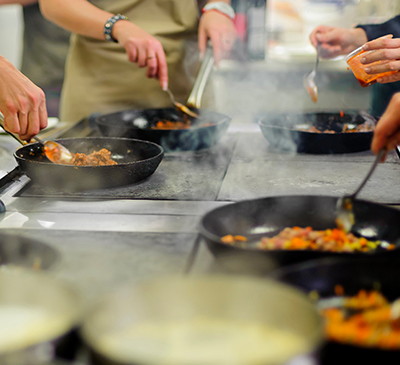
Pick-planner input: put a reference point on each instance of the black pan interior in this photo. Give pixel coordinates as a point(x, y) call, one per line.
point(284, 131)
point(354, 275)
point(267, 216)
point(136, 160)
point(124, 151)
point(203, 133)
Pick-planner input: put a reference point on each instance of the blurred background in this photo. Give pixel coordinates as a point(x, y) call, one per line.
point(272, 54)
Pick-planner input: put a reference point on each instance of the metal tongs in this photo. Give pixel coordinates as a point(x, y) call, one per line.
point(195, 96)
point(344, 206)
point(194, 99)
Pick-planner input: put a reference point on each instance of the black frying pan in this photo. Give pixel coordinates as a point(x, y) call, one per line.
point(267, 216)
point(353, 275)
point(136, 159)
point(282, 132)
point(203, 133)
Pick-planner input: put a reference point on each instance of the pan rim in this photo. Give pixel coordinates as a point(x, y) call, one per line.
point(216, 239)
point(139, 141)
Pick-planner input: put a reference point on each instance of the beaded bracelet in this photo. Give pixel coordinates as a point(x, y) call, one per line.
point(108, 26)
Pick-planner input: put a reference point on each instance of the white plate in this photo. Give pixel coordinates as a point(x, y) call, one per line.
point(51, 123)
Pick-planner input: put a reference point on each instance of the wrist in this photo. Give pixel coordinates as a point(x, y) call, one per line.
point(119, 29)
point(109, 27)
point(221, 7)
point(358, 36)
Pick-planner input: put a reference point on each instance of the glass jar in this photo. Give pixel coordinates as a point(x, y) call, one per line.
point(365, 79)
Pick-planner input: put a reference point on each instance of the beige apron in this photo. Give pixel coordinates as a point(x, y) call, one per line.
point(100, 79)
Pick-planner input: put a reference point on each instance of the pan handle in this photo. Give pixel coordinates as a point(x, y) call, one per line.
point(195, 96)
point(11, 134)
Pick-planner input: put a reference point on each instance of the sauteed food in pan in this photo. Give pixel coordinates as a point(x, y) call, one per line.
point(366, 319)
point(297, 238)
point(96, 158)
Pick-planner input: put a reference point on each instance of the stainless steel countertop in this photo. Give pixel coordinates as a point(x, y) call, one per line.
point(105, 243)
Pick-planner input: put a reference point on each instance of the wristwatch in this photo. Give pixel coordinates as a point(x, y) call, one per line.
point(221, 7)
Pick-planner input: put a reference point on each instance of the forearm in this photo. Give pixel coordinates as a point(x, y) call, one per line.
point(78, 16)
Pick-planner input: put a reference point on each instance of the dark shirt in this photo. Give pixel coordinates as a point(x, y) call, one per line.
point(382, 93)
point(373, 31)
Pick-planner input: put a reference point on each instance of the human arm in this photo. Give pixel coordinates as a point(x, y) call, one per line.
point(22, 103)
point(220, 29)
point(82, 17)
point(387, 131)
point(334, 41)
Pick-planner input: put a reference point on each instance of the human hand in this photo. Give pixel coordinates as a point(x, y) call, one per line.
point(334, 41)
point(220, 30)
point(143, 49)
point(22, 103)
point(387, 131)
point(386, 51)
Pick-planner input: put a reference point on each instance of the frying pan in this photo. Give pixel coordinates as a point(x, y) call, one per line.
point(354, 275)
point(204, 132)
point(281, 130)
point(136, 159)
point(267, 216)
point(184, 299)
point(52, 310)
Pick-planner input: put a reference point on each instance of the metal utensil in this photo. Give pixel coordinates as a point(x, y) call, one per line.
point(344, 207)
point(54, 151)
point(194, 99)
point(309, 83)
point(181, 107)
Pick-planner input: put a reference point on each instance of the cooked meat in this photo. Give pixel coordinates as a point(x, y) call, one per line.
point(96, 158)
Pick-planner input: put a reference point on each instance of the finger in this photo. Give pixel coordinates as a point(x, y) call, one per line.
point(217, 47)
point(132, 53)
point(380, 55)
point(162, 70)
point(152, 63)
point(202, 40)
point(11, 123)
point(388, 126)
point(391, 78)
point(226, 43)
point(33, 127)
point(383, 67)
point(43, 115)
point(142, 54)
point(382, 42)
point(23, 122)
point(393, 142)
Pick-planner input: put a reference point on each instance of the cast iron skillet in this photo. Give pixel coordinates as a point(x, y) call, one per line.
point(281, 130)
point(267, 216)
point(354, 275)
point(136, 159)
point(204, 132)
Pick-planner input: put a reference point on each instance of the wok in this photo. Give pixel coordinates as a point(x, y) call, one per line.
point(185, 300)
point(353, 275)
point(136, 159)
point(204, 132)
point(282, 132)
point(267, 216)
